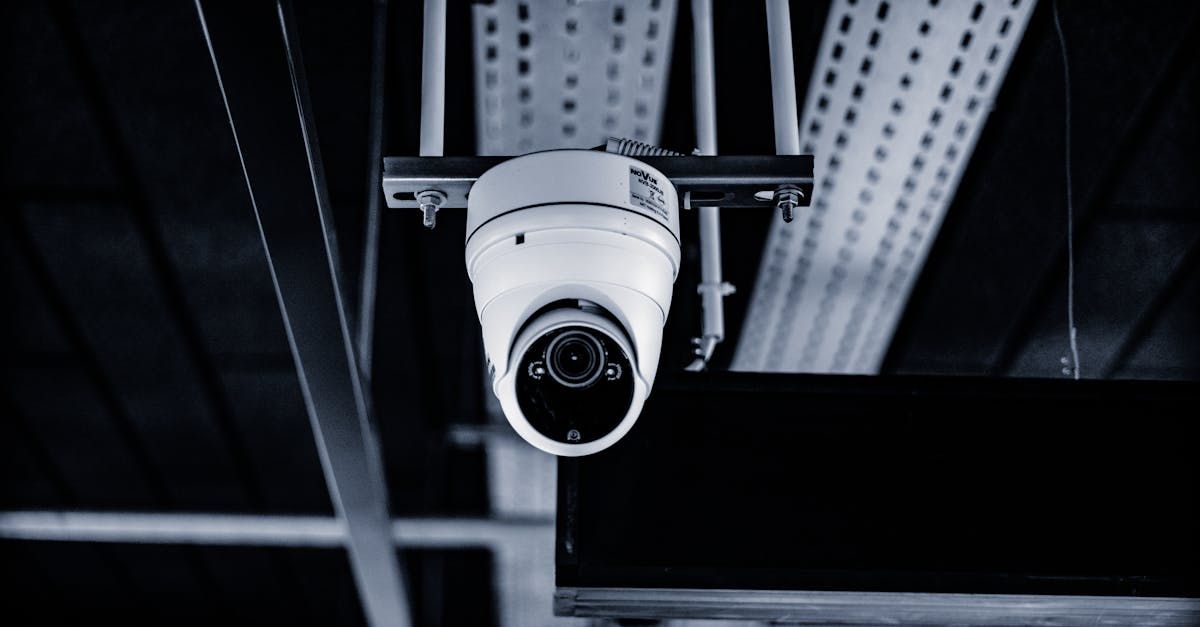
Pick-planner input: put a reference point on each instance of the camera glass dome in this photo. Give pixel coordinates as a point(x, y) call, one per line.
point(574, 384)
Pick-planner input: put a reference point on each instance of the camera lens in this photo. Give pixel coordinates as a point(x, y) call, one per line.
point(575, 384)
point(575, 359)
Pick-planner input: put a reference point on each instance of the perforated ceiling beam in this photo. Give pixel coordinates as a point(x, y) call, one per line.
point(551, 74)
point(895, 105)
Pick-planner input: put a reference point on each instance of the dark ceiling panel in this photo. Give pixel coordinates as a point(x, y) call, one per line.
point(49, 138)
point(29, 593)
point(173, 582)
point(29, 323)
point(1120, 267)
point(258, 586)
point(1006, 228)
point(270, 414)
point(42, 584)
point(338, 79)
point(173, 137)
point(326, 581)
point(29, 476)
point(1147, 183)
point(62, 412)
point(98, 263)
point(74, 412)
point(428, 371)
point(188, 229)
point(50, 583)
point(1171, 345)
point(451, 587)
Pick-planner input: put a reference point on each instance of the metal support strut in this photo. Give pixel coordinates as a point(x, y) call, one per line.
point(260, 73)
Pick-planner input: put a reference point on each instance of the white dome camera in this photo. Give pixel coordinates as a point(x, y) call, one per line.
point(572, 255)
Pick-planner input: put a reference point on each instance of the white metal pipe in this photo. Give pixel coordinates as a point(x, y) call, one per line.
point(712, 288)
point(433, 79)
point(783, 78)
point(704, 77)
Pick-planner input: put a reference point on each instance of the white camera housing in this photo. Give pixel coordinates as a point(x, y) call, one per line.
point(572, 255)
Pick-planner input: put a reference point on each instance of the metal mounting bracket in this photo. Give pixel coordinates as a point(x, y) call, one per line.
point(701, 181)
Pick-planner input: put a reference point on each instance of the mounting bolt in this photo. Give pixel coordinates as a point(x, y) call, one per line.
point(787, 198)
point(430, 200)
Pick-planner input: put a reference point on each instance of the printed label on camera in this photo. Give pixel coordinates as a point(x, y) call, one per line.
point(646, 191)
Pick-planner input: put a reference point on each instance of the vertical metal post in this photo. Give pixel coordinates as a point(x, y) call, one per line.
point(433, 97)
point(783, 78)
point(375, 128)
point(712, 288)
point(433, 79)
point(704, 77)
point(260, 73)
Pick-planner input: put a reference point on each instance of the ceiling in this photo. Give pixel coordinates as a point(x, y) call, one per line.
point(147, 369)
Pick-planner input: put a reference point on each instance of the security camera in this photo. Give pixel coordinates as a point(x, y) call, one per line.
point(572, 255)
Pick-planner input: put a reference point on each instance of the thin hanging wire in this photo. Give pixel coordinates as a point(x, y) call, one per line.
point(1062, 45)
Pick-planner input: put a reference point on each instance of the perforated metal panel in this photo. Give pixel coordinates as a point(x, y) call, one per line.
point(895, 105)
point(569, 73)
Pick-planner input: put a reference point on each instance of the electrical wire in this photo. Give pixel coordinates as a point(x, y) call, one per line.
point(1071, 329)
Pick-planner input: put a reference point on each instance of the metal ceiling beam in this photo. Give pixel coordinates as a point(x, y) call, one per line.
point(896, 101)
point(523, 545)
point(260, 74)
point(569, 74)
point(211, 529)
point(876, 608)
point(154, 528)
